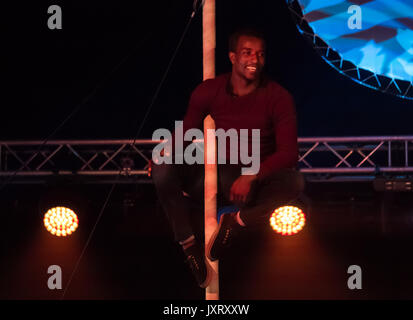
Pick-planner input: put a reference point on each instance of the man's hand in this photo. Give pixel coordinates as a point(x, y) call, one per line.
point(241, 187)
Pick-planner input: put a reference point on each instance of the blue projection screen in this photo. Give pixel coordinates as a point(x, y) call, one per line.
point(374, 35)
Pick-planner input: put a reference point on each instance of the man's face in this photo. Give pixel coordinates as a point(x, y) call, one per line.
point(248, 60)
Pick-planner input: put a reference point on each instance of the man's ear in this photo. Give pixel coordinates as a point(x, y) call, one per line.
point(231, 57)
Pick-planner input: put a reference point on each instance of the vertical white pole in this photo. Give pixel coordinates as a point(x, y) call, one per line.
point(208, 36)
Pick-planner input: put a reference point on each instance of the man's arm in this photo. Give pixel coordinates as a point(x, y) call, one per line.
point(285, 131)
point(198, 107)
point(286, 154)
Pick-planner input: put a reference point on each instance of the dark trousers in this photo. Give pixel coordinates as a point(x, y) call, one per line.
point(171, 180)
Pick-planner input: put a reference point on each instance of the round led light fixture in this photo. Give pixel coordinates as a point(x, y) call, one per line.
point(60, 221)
point(287, 220)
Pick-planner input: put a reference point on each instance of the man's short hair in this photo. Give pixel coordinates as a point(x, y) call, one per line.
point(247, 31)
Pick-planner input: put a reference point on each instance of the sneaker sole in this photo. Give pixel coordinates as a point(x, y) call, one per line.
point(209, 276)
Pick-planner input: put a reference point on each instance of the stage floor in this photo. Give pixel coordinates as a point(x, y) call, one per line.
point(132, 256)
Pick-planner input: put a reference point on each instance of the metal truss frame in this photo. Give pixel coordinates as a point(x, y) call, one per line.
point(127, 161)
point(355, 158)
point(86, 160)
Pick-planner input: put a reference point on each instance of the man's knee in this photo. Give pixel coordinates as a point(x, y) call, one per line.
point(296, 181)
point(162, 174)
point(299, 181)
point(289, 180)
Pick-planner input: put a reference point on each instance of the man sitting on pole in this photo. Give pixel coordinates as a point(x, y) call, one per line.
point(242, 99)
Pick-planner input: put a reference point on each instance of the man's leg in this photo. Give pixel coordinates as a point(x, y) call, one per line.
point(267, 195)
point(227, 174)
point(171, 181)
point(227, 228)
point(264, 196)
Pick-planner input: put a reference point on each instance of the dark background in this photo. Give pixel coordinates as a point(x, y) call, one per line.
point(109, 59)
point(112, 55)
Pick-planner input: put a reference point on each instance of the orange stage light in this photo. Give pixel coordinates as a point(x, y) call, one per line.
point(60, 221)
point(287, 220)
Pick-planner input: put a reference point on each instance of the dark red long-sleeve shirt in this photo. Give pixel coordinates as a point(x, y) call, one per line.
point(269, 108)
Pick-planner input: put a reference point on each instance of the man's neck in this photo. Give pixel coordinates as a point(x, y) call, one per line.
point(241, 86)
